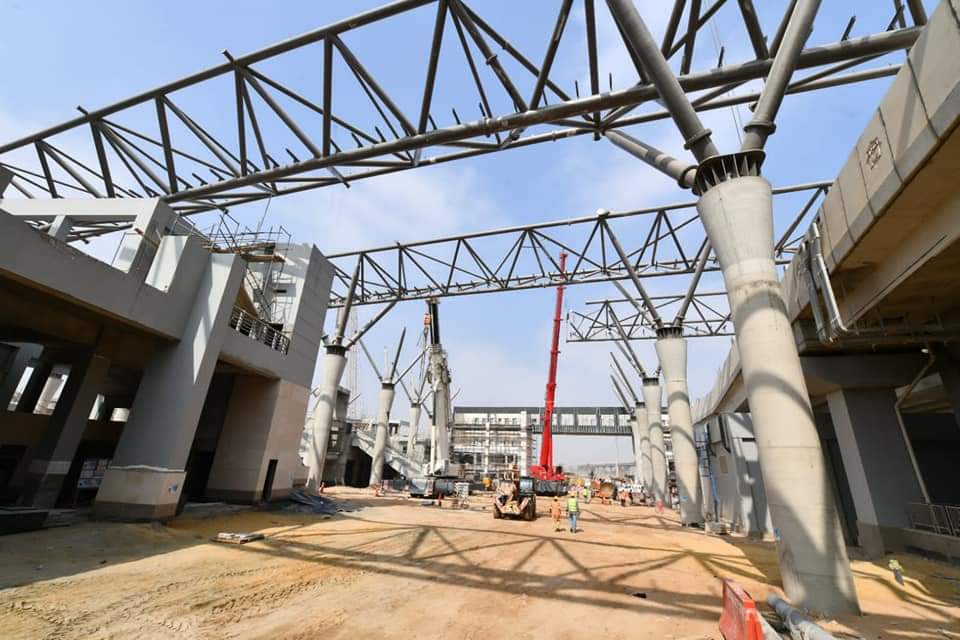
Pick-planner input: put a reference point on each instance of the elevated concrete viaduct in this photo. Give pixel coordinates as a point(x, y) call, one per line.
point(874, 300)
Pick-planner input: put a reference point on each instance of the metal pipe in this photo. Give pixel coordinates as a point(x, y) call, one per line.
point(639, 39)
point(702, 258)
point(359, 334)
point(627, 357)
point(800, 627)
point(917, 12)
point(761, 126)
point(410, 366)
point(396, 358)
point(658, 322)
point(623, 376)
point(781, 28)
point(619, 393)
point(626, 344)
point(903, 426)
point(680, 171)
point(753, 28)
point(344, 316)
point(373, 363)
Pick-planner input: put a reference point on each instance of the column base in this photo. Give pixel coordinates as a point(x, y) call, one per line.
point(877, 540)
point(137, 494)
point(44, 482)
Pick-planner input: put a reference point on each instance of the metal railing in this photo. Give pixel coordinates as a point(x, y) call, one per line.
point(943, 519)
point(256, 329)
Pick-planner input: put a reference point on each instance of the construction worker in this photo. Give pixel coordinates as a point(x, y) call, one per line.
point(586, 494)
point(573, 510)
point(556, 510)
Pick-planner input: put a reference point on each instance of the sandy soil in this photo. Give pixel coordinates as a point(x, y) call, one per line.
point(395, 569)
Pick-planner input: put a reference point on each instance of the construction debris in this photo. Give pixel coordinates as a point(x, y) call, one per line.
point(304, 502)
point(237, 538)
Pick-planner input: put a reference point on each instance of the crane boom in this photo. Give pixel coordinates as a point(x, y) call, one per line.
point(545, 470)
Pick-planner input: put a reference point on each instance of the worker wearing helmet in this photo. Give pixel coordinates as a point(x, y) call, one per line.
point(573, 510)
point(556, 511)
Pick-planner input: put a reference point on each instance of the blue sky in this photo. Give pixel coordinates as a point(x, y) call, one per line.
point(63, 54)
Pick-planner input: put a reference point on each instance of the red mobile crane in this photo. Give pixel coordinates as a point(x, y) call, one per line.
point(545, 470)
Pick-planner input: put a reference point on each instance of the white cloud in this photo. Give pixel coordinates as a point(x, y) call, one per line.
point(400, 207)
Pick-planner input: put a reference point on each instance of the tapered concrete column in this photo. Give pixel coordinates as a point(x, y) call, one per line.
point(635, 443)
point(672, 352)
point(52, 456)
point(877, 465)
point(387, 393)
point(415, 409)
point(658, 451)
point(738, 216)
point(645, 464)
point(31, 393)
point(145, 477)
point(23, 355)
point(334, 363)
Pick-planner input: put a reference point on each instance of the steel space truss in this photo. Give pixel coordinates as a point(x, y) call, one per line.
point(527, 257)
point(286, 136)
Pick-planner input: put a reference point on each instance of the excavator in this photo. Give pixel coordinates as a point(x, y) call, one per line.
point(550, 480)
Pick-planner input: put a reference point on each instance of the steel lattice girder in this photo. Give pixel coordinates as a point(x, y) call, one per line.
point(170, 154)
point(527, 257)
point(709, 318)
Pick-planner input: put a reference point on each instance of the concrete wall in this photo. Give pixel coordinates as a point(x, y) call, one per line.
point(737, 489)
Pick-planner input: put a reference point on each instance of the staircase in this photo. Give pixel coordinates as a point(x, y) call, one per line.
point(398, 461)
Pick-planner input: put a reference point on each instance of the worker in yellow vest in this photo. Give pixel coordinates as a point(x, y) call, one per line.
point(573, 510)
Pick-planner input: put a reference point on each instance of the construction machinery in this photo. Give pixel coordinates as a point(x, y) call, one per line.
point(551, 479)
point(515, 499)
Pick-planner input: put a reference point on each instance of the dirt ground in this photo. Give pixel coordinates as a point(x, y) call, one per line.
point(396, 569)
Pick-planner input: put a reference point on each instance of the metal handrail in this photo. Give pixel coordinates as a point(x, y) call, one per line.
point(255, 328)
point(943, 519)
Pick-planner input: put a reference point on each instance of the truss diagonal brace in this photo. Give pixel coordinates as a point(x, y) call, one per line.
point(677, 169)
point(638, 38)
point(625, 259)
point(762, 126)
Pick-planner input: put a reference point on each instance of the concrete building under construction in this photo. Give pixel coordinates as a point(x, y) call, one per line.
point(163, 362)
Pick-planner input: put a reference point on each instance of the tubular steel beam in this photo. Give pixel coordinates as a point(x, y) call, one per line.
point(526, 257)
point(151, 159)
point(761, 126)
point(641, 42)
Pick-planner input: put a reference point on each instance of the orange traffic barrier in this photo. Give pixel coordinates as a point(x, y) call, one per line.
point(739, 619)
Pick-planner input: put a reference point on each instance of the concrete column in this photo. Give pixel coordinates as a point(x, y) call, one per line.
point(60, 228)
point(948, 365)
point(334, 363)
point(23, 355)
point(672, 352)
point(50, 388)
point(486, 450)
point(146, 475)
point(645, 463)
point(415, 409)
point(524, 443)
point(738, 217)
point(53, 455)
point(387, 393)
point(35, 386)
point(6, 177)
point(658, 451)
point(878, 468)
point(264, 422)
point(635, 443)
point(137, 249)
